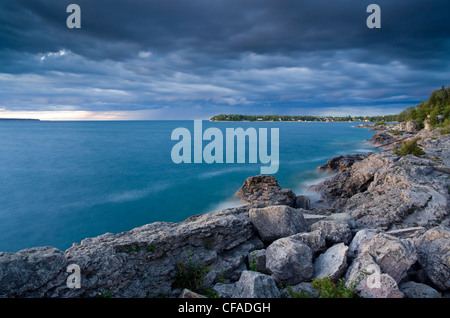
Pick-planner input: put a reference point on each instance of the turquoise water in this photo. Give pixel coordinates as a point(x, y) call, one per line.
point(61, 182)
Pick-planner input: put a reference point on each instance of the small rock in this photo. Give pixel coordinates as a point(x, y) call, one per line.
point(360, 236)
point(302, 202)
point(342, 217)
point(334, 232)
point(256, 285)
point(186, 293)
point(258, 260)
point(417, 290)
point(315, 240)
point(224, 290)
point(302, 290)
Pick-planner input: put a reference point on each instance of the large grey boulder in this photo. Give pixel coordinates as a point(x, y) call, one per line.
point(393, 255)
point(256, 285)
point(289, 261)
point(368, 281)
point(274, 222)
point(332, 263)
point(433, 248)
point(333, 231)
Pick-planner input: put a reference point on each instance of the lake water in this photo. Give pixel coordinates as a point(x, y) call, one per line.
point(61, 182)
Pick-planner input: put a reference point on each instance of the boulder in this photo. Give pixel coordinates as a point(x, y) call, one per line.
point(417, 290)
point(314, 239)
point(394, 256)
point(341, 163)
point(433, 249)
point(360, 236)
point(255, 285)
point(274, 222)
point(302, 202)
point(411, 127)
point(332, 263)
point(289, 261)
point(334, 232)
point(366, 279)
point(264, 190)
point(342, 217)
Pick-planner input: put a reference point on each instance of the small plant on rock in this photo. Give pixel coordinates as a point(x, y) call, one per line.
point(409, 147)
point(190, 275)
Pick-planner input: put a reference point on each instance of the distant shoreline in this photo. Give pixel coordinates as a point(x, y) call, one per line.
point(302, 118)
point(20, 119)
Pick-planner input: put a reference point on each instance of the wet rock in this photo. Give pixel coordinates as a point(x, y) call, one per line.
point(264, 190)
point(302, 202)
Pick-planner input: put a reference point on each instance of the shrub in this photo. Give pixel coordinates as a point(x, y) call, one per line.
point(190, 275)
point(329, 289)
point(445, 131)
point(396, 132)
point(409, 147)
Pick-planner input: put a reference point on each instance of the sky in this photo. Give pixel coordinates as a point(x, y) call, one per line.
point(193, 59)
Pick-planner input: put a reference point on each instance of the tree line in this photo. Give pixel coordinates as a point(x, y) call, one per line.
point(436, 110)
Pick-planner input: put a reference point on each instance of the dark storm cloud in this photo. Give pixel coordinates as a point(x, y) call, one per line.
point(194, 53)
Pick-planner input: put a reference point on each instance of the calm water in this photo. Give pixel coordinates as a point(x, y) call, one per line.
point(61, 182)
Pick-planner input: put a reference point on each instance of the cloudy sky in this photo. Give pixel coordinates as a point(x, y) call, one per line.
point(187, 59)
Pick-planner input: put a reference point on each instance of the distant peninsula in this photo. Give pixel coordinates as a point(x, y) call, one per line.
point(291, 118)
point(15, 119)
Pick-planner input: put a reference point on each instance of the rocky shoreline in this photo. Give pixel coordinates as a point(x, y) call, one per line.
point(382, 225)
